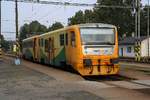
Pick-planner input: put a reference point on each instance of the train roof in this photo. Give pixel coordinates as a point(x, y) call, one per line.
point(30, 38)
point(78, 25)
point(96, 25)
point(81, 26)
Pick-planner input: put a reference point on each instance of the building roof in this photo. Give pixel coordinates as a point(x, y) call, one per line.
point(131, 40)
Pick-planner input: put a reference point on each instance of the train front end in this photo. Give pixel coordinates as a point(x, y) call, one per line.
point(99, 43)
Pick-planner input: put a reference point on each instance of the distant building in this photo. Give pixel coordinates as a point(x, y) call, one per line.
point(127, 46)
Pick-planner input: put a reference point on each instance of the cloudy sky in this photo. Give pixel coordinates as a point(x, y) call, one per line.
point(45, 14)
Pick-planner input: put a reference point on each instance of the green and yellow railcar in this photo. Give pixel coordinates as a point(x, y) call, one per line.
point(91, 49)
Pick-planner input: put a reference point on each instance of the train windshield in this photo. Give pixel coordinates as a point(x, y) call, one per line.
point(98, 36)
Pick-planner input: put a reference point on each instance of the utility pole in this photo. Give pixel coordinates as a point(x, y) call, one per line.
point(139, 14)
point(16, 13)
point(17, 60)
point(0, 26)
point(148, 21)
point(136, 17)
point(137, 30)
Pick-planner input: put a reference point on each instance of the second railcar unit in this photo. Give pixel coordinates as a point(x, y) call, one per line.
point(91, 49)
point(31, 48)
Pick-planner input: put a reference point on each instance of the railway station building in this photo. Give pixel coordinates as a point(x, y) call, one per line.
point(127, 47)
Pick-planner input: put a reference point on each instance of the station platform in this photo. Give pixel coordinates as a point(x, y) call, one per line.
point(31, 81)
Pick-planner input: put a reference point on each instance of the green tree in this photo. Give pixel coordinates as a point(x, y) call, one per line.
point(4, 43)
point(24, 30)
point(56, 25)
point(78, 18)
point(144, 21)
point(34, 28)
point(122, 18)
point(89, 16)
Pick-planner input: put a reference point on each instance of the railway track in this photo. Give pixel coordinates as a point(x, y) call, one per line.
point(109, 78)
point(132, 60)
point(122, 82)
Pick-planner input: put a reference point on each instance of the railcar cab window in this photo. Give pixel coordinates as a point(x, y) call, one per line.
point(97, 36)
point(73, 39)
point(61, 39)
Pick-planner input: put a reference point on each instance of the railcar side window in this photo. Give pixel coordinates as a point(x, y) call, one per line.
point(30, 44)
point(73, 39)
point(39, 43)
point(61, 38)
point(66, 38)
point(34, 43)
point(42, 42)
point(46, 45)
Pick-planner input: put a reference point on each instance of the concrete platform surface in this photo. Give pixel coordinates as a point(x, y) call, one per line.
point(143, 82)
point(129, 85)
point(26, 83)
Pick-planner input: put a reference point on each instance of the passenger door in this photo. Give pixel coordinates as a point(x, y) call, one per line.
point(51, 51)
point(34, 49)
point(71, 51)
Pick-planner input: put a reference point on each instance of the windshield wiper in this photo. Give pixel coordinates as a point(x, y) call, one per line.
point(109, 43)
point(98, 43)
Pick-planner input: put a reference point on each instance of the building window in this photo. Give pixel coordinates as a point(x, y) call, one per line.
point(61, 38)
point(129, 49)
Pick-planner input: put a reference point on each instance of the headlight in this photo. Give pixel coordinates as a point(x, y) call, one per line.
point(114, 61)
point(87, 62)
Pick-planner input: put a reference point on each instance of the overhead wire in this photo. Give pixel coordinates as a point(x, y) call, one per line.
point(49, 12)
point(68, 3)
point(75, 4)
